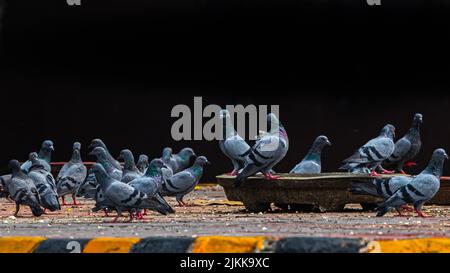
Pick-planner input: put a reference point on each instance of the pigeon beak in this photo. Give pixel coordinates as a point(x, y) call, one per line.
point(208, 162)
point(446, 156)
point(328, 143)
point(52, 148)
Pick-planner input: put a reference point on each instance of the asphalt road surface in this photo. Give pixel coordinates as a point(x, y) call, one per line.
point(211, 214)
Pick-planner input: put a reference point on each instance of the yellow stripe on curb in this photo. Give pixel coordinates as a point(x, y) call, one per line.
point(226, 244)
point(110, 245)
point(19, 244)
point(424, 245)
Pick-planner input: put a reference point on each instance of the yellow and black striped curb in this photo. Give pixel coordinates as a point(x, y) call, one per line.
point(221, 244)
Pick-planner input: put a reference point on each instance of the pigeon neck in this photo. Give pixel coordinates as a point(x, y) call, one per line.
point(197, 169)
point(314, 153)
point(228, 128)
point(102, 178)
point(435, 167)
point(45, 154)
point(414, 131)
point(76, 157)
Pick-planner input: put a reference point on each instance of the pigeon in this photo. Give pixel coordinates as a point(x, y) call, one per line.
point(380, 187)
point(367, 158)
point(102, 157)
point(123, 196)
point(185, 181)
point(151, 182)
point(267, 151)
point(130, 171)
point(182, 159)
point(22, 190)
point(45, 156)
point(421, 189)
point(71, 175)
point(233, 145)
point(311, 163)
point(407, 147)
point(44, 183)
point(99, 143)
point(3, 184)
point(142, 163)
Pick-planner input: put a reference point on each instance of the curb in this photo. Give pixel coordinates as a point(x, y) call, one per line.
point(221, 244)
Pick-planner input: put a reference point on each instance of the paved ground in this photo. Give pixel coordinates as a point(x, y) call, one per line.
point(211, 214)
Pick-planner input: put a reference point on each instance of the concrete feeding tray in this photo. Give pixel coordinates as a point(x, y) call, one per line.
point(325, 192)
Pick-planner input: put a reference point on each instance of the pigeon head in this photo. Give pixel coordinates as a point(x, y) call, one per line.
point(223, 114)
point(187, 153)
point(96, 143)
point(14, 165)
point(47, 145)
point(167, 152)
point(388, 131)
point(418, 119)
point(126, 155)
point(143, 159)
point(322, 141)
point(98, 152)
point(202, 160)
point(35, 163)
point(157, 164)
point(436, 164)
point(77, 146)
point(440, 154)
point(33, 156)
point(100, 173)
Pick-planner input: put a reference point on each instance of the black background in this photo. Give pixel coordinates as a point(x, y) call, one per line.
point(114, 70)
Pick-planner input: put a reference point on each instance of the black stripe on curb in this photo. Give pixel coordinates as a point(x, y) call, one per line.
point(62, 246)
point(163, 245)
point(319, 245)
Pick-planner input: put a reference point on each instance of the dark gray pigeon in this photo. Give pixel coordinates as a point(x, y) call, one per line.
point(99, 143)
point(71, 175)
point(183, 159)
point(45, 156)
point(232, 144)
point(22, 190)
point(123, 196)
point(130, 171)
point(170, 163)
point(142, 163)
point(380, 187)
point(3, 188)
point(367, 158)
point(44, 183)
point(267, 151)
point(421, 189)
point(88, 187)
point(311, 163)
point(407, 147)
point(185, 181)
point(102, 157)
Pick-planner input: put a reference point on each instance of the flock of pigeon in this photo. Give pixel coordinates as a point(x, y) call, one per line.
point(373, 157)
point(137, 187)
point(133, 187)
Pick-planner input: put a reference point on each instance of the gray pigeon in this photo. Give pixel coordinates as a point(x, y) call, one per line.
point(102, 157)
point(183, 159)
point(152, 181)
point(185, 181)
point(421, 189)
point(267, 152)
point(407, 147)
point(22, 190)
point(4, 189)
point(380, 187)
point(71, 175)
point(130, 171)
point(367, 158)
point(44, 183)
point(45, 156)
point(232, 144)
point(99, 143)
point(142, 163)
point(311, 163)
point(123, 196)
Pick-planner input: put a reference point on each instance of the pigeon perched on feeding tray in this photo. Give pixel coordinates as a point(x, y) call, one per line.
point(311, 163)
point(407, 147)
point(232, 144)
point(367, 158)
point(71, 175)
point(267, 151)
point(421, 189)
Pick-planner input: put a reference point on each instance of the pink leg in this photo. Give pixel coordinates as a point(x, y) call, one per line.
point(410, 164)
point(63, 201)
point(420, 213)
point(384, 171)
point(270, 176)
point(232, 173)
point(74, 201)
point(374, 173)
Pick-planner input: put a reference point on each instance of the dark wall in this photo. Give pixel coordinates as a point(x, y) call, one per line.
point(115, 69)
